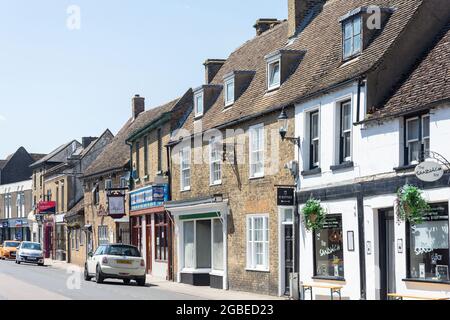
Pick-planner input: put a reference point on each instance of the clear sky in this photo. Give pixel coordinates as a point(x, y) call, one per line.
point(58, 84)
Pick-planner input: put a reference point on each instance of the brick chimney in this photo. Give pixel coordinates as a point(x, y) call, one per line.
point(86, 141)
point(138, 105)
point(264, 24)
point(298, 10)
point(212, 66)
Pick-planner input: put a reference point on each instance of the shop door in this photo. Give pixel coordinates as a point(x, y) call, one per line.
point(387, 253)
point(288, 255)
point(48, 238)
point(148, 244)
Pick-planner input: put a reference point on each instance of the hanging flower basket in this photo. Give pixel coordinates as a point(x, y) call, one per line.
point(313, 215)
point(411, 206)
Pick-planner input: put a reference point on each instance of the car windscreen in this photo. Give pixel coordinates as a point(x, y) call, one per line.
point(122, 251)
point(31, 246)
point(11, 244)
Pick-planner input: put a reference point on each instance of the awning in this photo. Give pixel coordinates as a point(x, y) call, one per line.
point(212, 207)
point(125, 219)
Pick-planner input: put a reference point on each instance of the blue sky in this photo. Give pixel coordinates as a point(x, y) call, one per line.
point(58, 84)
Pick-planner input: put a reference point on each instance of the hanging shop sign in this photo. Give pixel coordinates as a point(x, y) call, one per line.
point(285, 197)
point(47, 207)
point(116, 205)
point(429, 171)
point(148, 197)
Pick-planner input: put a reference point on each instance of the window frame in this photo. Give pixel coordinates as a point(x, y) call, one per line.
point(138, 162)
point(199, 96)
point(314, 164)
point(183, 185)
point(270, 64)
point(227, 82)
point(251, 131)
point(342, 132)
point(420, 136)
point(251, 259)
point(212, 162)
point(161, 251)
point(353, 53)
point(146, 156)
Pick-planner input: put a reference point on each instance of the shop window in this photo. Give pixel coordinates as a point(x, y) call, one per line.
point(258, 242)
point(329, 249)
point(217, 245)
point(428, 252)
point(197, 244)
point(189, 250)
point(161, 237)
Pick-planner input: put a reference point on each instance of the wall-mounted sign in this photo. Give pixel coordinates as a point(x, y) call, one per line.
point(429, 171)
point(47, 207)
point(351, 241)
point(148, 197)
point(285, 197)
point(116, 205)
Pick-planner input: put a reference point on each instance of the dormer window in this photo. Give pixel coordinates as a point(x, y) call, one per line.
point(352, 37)
point(198, 104)
point(274, 74)
point(229, 91)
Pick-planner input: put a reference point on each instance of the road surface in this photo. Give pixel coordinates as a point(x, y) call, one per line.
point(29, 282)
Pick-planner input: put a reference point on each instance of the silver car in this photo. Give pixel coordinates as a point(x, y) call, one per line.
point(30, 252)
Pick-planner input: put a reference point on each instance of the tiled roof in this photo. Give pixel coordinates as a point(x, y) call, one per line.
point(76, 209)
point(37, 156)
point(117, 154)
point(320, 68)
point(49, 156)
point(428, 83)
point(3, 163)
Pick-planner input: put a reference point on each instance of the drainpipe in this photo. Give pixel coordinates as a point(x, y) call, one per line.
point(172, 224)
point(362, 241)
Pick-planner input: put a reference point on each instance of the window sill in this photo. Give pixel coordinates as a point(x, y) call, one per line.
point(185, 190)
point(256, 177)
point(340, 279)
point(215, 184)
point(273, 89)
point(257, 270)
point(311, 172)
point(198, 117)
point(342, 166)
point(406, 168)
point(195, 271)
point(426, 281)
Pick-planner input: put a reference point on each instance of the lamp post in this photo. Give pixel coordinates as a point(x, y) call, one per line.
point(283, 121)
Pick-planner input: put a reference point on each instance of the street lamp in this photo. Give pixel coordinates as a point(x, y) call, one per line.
point(284, 126)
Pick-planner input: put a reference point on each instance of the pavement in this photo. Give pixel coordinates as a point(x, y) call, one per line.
point(63, 281)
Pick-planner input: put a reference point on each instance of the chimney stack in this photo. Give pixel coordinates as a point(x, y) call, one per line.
point(138, 106)
point(297, 12)
point(212, 66)
point(86, 141)
point(264, 24)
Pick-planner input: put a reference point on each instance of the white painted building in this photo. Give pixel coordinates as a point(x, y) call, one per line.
point(356, 171)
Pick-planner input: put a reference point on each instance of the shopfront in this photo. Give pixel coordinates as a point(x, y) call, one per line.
point(151, 228)
point(201, 241)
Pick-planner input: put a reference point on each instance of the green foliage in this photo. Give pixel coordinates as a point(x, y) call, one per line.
point(411, 206)
point(313, 215)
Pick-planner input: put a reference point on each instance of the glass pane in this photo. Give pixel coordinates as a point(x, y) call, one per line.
point(315, 125)
point(357, 44)
point(315, 154)
point(189, 258)
point(347, 117)
point(328, 248)
point(348, 48)
point(429, 255)
point(199, 103)
point(274, 74)
point(347, 145)
point(414, 151)
point(217, 245)
point(412, 127)
point(357, 26)
point(203, 249)
point(348, 30)
point(230, 91)
point(288, 215)
point(426, 126)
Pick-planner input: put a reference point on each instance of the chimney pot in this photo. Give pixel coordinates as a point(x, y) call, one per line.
point(212, 66)
point(138, 105)
point(264, 24)
point(86, 141)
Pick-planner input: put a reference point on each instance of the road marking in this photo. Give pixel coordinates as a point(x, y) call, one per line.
point(13, 289)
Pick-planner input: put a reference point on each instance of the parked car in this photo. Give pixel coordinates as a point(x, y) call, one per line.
point(30, 252)
point(9, 249)
point(116, 261)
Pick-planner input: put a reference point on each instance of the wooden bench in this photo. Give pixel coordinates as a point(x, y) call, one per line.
point(396, 296)
point(334, 289)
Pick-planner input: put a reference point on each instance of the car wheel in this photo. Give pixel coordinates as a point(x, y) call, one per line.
point(98, 275)
point(40, 264)
point(18, 262)
point(126, 281)
point(87, 277)
point(141, 281)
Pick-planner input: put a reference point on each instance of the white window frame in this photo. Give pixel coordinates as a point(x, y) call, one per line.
point(345, 131)
point(312, 140)
point(428, 137)
point(251, 243)
point(197, 96)
point(183, 185)
point(108, 181)
point(212, 143)
point(270, 64)
point(123, 182)
point(354, 51)
point(410, 141)
point(229, 81)
point(252, 130)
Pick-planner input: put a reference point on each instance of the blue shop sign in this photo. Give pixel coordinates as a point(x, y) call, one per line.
point(4, 224)
point(148, 197)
